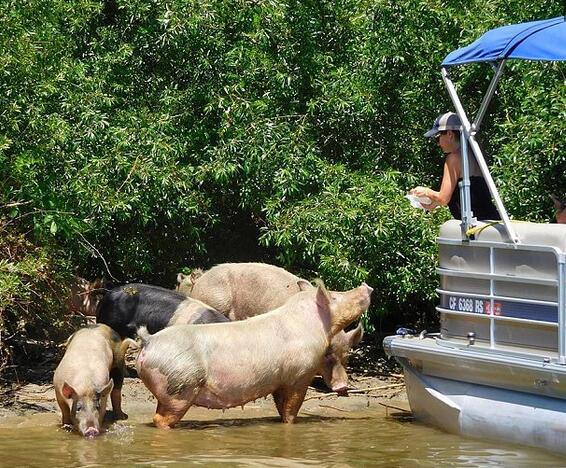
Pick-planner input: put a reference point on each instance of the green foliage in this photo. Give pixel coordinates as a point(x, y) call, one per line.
point(31, 295)
point(137, 137)
point(530, 161)
point(359, 228)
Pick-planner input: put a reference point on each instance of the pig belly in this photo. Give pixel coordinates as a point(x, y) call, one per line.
point(208, 396)
point(228, 398)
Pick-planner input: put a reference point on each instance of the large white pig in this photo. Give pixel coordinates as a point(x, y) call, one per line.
point(228, 364)
point(90, 370)
point(243, 290)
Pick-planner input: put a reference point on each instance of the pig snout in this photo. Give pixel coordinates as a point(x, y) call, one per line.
point(366, 291)
point(339, 382)
point(91, 432)
point(334, 374)
point(89, 427)
point(365, 295)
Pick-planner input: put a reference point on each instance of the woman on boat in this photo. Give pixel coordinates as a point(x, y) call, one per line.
point(446, 130)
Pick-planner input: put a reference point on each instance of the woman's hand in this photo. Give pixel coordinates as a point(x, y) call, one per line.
point(429, 206)
point(425, 193)
point(420, 192)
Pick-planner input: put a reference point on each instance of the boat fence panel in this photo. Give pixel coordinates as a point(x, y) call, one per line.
point(505, 294)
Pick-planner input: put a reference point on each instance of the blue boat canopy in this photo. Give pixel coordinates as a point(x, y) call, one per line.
point(536, 40)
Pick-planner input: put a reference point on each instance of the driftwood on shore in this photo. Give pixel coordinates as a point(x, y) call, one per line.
point(358, 390)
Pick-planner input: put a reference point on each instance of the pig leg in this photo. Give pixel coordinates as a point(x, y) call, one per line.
point(170, 409)
point(65, 411)
point(293, 403)
point(289, 400)
point(117, 375)
point(279, 399)
point(170, 413)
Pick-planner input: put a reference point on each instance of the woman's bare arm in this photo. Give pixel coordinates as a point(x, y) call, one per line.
point(450, 176)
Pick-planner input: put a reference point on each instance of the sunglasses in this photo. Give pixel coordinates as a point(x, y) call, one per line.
point(442, 132)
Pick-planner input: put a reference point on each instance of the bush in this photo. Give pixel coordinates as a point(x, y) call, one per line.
point(31, 296)
point(138, 137)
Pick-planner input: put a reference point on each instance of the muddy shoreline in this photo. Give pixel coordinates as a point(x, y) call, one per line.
point(374, 380)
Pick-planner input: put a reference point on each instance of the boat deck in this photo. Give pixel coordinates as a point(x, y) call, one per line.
point(520, 369)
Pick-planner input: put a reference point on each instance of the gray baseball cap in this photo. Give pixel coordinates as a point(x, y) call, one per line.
point(447, 121)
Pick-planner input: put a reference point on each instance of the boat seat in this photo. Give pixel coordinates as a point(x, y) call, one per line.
point(547, 234)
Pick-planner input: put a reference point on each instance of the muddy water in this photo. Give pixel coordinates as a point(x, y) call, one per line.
point(326, 437)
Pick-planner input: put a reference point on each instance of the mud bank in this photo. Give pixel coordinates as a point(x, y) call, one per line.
point(374, 380)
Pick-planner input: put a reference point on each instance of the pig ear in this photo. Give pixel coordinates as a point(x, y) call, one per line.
point(304, 285)
point(106, 389)
point(68, 391)
point(355, 336)
point(180, 278)
point(195, 274)
point(322, 298)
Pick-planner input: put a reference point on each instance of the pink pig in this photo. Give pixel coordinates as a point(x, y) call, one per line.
point(90, 370)
point(223, 365)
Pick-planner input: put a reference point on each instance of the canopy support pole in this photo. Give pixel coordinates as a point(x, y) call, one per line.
point(488, 95)
point(470, 137)
point(468, 220)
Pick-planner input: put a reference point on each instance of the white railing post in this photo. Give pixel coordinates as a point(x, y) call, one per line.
point(467, 215)
point(562, 309)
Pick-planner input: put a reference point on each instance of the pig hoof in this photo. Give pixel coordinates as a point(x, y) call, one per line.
point(120, 415)
point(341, 391)
point(161, 422)
point(288, 420)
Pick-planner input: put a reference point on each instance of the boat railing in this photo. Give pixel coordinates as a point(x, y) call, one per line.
point(504, 294)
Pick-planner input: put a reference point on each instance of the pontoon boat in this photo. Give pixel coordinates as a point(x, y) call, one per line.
point(497, 369)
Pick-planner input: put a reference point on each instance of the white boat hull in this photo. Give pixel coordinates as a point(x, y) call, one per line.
point(486, 412)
